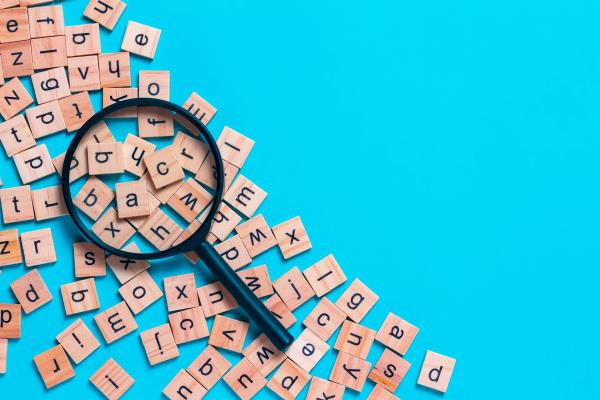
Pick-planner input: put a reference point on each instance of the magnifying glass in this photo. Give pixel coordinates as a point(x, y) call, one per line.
point(144, 196)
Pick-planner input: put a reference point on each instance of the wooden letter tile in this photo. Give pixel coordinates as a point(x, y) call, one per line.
point(293, 288)
point(355, 339)
point(245, 196)
point(31, 291)
point(82, 40)
point(46, 21)
point(88, 259)
point(10, 321)
point(54, 366)
point(16, 59)
point(396, 333)
point(215, 299)
point(190, 199)
point(289, 380)
point(105, 12)
point(115, 322)
point(38, 247)
point(159, 344)
point(234, 252)
point(10, 249)
point(3, 355)
point(208, 367)
point(163, 167)
point(34, 164)
point(155, 122)
point(160, 230)
point(106, 158)
point(245, 380)
point(14, 98)
point(114, 69)
point(49, 52)
point(188, 325)
point(256, 235)
point(263, 354)
point(436, 371)
point(257, 279)
point(16, 204)
point(94, 197)
point(136, 149)
point(350, 371)
point(84, 73)
point(190, 152)
point(184, 387)
point(112, 380)
point(133, 199)
point(280, 311)
point(234, 146)
point(324, 319)
point(321, 389)
point(379, 393)
point(114, 95)
point(325, 275)
point(292, 238)
point(14, 25)
point(76, 110)
point(126, 269)
point(200, 108)
point(357, 300)
point(78, 341)
point(389, 371)
point(207, 174)
point(79, 296)
point(180, 292)
point(48, 203)
point(50, 85)
point(111, 230)
point(45, 119)
point(228, 333)
point(224, 222)
point(140, 292)
point(16, 136)
point(307, 350)
point(155, 84)
point(140, 39)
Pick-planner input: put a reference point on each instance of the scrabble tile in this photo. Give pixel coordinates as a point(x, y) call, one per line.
point(112, 380)
point(14, 25)
point(140, 39)
point(245, 196)
point(325, 275)
point(115, 95)
point(126, 269)
point(78, 167)
point(14, 98)
point(34, 164)
point(357, 300)
point(99, 133)
point(280, 311)
point(228, 333)
point(10, 321)
point(53, 366)
point(292, 238)
point(79, 296)
point(396, 333)
point(234, 252)
point(215, 299)
point(234, 146)
point(263, 354)
point(389, 370)
point(190, 151)
point(46, 21)
point(159, 344)
point(189, 200)
point(48, 203)
point(135, 149)
point(180, 292)
point(224, 222)
point(38, 247)
point(105, 158)
point(10, 249)
point(256, 235)
point(160, 230)
point(324, 319)
point(208, 367)
point(45, 119)
point(138, 222)
point(164, 193)
point(112, 230)
point(93, 197)
point(114, 69)
point(207, 174)
point(16, 136)
point(184, 387)
point(155, 84)
point(350, 371)
point(49, 52)
point(84, 73)
point(289, 380)
point(321, 389)
point(436, 371)
point(115, 322)
point(16, 59)
point(188, 325)
point(140, 292)
point(105, 12)
point(82, 40)
point(8, 3)
point(293, 288)
point(3, 355)
point(76, 110)
point(199, 108)
point(155, 122)
point(257, 279)
point(78, 341)
point(16, 204)
point(163, 167)
point(88, 260)
point(355, 339)
point(50, 85)
point(244, 379)
point(379, 393)
point(132, 199)
point(31, 291)
point(307, 350)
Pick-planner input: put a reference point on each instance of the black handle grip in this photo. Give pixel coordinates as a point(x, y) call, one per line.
point(255, 308)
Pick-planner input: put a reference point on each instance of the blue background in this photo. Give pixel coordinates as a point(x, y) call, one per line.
point(445, 152)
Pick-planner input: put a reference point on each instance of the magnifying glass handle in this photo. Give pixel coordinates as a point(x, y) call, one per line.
point(255, 308)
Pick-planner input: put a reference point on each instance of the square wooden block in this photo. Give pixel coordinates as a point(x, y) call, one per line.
point(215, 299)
point(293, 288)
point(76, 110)
point(93, 197)
point(140, 292)
point(84, 73)
point(16, 136)
point(79, 296)
point(355, 339)
point(163, 194)
point(114, 69)
point(245, 380)
point(16, 59)
point(224, 222)
point(436, 371)
point(16, 204)
point(184, 387)
point(133, 199)
point(321, 389)
point(31, 291)
point(234, 252)
point(111, 230)
point(45, 119)
point(140, 39)
point(115, 322)
point(136, 149)
point(10, 321)
point(14, 98)
point(396, 333)
point(280, 311)
point(82, 40)
point(105, 158)
point(10, 249)
point(105, 12)
point(78, 341)
point(228, 333)
point(112, 380)
point(88, 259)
point(380, 393)
point(78, 166)
point(3, 355)
point(324, 319)
point(256, 235)
point(180, 292)
point(207, 174)
point(188, 325)
point(49, 52)
point(357, 300)
point(325, 275)
point(208, 367)
point(234, 146)
point(289, 380)
point(190, 199)
point(163, 167)
point(307, 350)
point(53, 366)
point(350, 371)
point(14, 25)
point(34, 164)
point(190, 151)
point(200, 108)
point(155, 84)
point(51, 84)
point(245, 196)
point(48, 203)
point(46, 21)
point(257, 279)
point(263, 354)
point(126, 269)
point(291, 237)
point(160, 230)
point(114, 95)
point(159, 344)
point(99, 133)
point(155, 122)
point(389, 370)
